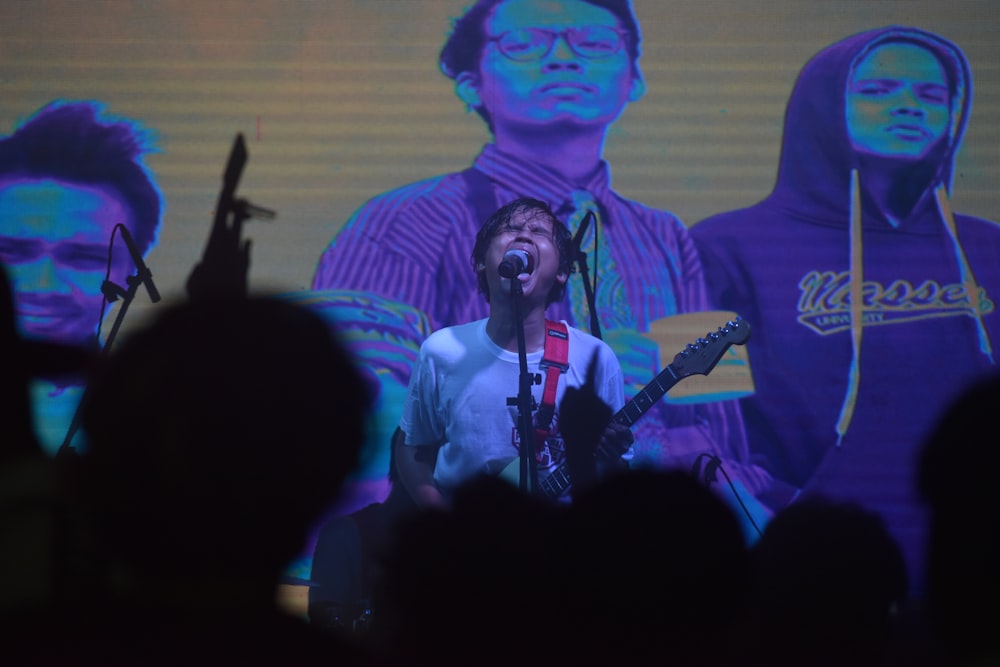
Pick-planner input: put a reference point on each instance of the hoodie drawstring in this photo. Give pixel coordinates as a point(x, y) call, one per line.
point(857, 326)
point(968, 278)
point(857, 283)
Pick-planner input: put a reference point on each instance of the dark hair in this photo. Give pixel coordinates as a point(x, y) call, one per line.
point(220, 420)
point(71, 141)
point(501, 218)
point(464, 47)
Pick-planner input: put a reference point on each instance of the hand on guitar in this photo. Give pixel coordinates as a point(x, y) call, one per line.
point(589, 432)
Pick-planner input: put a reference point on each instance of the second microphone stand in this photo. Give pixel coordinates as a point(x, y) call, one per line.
point(112, 292)
point(580, 258)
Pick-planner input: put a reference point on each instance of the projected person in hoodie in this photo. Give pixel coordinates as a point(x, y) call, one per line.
point(872, 303)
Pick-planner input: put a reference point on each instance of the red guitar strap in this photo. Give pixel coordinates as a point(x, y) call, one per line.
point(555, 361)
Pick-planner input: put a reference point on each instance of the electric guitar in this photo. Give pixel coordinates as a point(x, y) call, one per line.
point(698, 358)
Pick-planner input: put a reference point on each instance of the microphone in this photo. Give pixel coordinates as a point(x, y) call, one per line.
point(143, 272)
point(515, 262)
point(580, 231)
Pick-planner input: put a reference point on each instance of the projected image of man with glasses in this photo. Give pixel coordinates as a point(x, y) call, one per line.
point(549, 78)
point(545, 61)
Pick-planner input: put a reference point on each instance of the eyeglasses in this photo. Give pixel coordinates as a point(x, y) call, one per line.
point(593, 42)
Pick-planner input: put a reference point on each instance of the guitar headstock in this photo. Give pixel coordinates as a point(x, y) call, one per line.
point(701, 356)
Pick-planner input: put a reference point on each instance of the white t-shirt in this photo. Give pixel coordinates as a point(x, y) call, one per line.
point(458, 396)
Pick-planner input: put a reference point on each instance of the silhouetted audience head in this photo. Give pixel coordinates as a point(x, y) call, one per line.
point(828, 577)
point(957, 480)
point(656, 568)
point(220, 433)
point(472, 584)
point(644, 565)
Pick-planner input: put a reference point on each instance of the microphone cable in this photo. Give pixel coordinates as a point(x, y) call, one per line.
point(708, 476)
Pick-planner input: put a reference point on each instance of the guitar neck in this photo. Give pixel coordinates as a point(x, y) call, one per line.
point(647, 397)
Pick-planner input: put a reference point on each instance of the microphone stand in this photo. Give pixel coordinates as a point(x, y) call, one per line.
point(580, 258)
point(112, 292)
point(529, 466)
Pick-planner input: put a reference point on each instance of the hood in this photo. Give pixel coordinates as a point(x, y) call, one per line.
point(814, 173)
